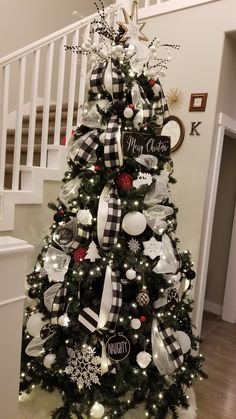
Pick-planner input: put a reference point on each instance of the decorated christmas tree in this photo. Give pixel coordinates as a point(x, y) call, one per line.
point(110, 327)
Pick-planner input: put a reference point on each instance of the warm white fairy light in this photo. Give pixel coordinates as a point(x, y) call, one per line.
point(160, 395)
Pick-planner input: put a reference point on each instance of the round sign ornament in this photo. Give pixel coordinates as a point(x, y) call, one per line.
point(118, 347)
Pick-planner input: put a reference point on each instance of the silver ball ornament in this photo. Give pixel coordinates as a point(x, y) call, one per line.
point(97, 410)
point(128, 112)
point(135, 324)
point(48, 360)
point(130, 274)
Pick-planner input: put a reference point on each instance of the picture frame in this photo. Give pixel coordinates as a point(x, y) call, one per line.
point(198, 102)
point(174, 129)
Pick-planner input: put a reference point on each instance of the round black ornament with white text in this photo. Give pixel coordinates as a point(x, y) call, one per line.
point(47, 330)
point(118, 347)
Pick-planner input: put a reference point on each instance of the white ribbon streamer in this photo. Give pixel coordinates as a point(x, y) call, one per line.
point(106, 301)
point(159, 353)
point(167, 262)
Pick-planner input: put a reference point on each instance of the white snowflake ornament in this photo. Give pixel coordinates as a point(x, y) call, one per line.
point(134, 245)
point(84, 367)
point(152, 248)
point(142, 179)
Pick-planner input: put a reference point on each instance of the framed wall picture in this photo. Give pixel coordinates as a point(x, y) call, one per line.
point(198, 102)
point(174, 129)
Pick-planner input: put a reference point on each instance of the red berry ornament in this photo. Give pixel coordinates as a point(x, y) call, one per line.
point(80, 254)
point(124, 181)
point(152, 82)
point(131, 106)
point(143, 319)
point(97, 168)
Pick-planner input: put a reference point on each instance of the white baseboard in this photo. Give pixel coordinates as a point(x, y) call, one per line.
point(213, 307)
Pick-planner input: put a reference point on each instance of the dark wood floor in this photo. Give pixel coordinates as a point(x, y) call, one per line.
point(216, 397)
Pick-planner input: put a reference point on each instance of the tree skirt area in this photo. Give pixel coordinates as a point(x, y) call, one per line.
point(38, 405)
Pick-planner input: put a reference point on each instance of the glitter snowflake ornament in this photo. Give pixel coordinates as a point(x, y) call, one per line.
point(134, 245)
point(84, 367)
point(152, 248)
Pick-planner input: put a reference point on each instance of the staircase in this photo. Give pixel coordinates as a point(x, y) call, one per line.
point(37, 143)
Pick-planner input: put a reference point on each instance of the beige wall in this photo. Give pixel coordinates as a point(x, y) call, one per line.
point(222, 227)
point(195, 68)
point(25, 21)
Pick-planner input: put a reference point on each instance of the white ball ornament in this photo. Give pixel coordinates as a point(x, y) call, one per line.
point(128, 112)
point(183, 340)
point(135, 324)
point(64, 320)
point(143, 359)
point(134, 223)
point(35, 324)
point(130, 274)
point(97, 410)
point(48, 360)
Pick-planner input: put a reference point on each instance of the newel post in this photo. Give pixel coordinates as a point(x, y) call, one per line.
point(13, 258)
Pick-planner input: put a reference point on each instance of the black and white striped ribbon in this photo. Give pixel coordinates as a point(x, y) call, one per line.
point(112, 228)
point(90, 319)
point(172, 346)
point(59, 304)
point(110, 325)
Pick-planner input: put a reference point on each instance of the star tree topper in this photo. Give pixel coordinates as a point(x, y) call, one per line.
point(133, 29)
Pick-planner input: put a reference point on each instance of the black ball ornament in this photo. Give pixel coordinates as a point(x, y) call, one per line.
point(32, 292)
point(190, 274)
point(58, 216)
point(138, 395)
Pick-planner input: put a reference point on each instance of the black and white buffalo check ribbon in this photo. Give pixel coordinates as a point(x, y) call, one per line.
point(59, 304)
point(112, 228)
point(112, 136)
point(90, 319)
point(97, 79)
point(88, 144)
point(172, 346)
point(161, 107)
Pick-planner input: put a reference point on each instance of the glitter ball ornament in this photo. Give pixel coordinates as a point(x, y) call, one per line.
point(48, 360)
point(124, 181)
point(135, 324)
point(143, 298)
point(128, 112)
point(143, 359)
point(152, 82)
point(97, 410)
point(130, 274)
point(80, 254)
point(84, 217)
point(64, 320)
point(134, 223)
point(190, 274)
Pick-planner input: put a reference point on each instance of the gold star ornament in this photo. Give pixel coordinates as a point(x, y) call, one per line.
point(132, 29)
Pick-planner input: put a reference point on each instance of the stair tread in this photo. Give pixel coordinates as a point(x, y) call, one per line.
point(24, 147)
point(38, 131)
point(53, 107)
point(52, 116)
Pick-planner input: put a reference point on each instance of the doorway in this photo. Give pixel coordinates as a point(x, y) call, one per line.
point(226, 129)
point(218, 272)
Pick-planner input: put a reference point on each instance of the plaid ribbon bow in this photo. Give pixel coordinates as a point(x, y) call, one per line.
point(88, 145)
point(59, 304)
point(112, 228)
point(97, 79)
point(112, 136)
point(172, 346)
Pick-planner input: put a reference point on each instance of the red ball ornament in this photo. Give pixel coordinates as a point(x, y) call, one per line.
point(124, 181)
point(152, 82)
point(80, 254)
point(131, 106)
point(142, 319)
point(97, 168)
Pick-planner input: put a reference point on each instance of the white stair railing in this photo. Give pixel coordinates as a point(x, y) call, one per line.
point(44, 74)
point(150, 8)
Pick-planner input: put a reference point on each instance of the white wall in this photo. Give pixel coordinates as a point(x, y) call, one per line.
point(25, 21)
point(195, 68)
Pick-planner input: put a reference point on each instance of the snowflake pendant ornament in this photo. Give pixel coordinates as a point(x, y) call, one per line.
point(84, 367)
point(134, 245)
point(152, 248)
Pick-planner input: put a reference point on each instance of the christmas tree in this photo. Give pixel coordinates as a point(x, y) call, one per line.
point(110, 326)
